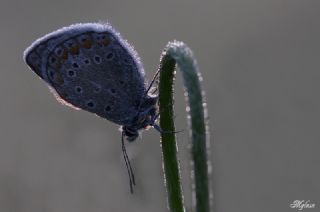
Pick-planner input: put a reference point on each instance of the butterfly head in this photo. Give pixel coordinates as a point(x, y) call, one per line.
point(146, 118)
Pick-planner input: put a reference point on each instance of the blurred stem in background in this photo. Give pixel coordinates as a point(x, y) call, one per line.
point(178, 53)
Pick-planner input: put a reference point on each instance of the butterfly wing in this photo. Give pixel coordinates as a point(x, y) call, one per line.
point(90, 67)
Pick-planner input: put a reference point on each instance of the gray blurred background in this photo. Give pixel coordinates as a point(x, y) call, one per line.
point(260, 62)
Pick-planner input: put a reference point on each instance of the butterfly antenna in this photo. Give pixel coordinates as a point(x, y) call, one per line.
point(149, 87)
point(153, 80)
point(128, 165)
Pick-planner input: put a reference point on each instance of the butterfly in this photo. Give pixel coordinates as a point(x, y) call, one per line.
point(91, 67)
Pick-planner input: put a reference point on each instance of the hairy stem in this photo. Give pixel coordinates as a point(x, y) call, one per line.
point(178, 53)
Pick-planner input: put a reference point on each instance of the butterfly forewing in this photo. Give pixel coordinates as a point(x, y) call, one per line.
point(91, 67)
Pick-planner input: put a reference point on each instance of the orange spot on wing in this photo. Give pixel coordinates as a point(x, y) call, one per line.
point(74, 50)
point(64, 55)
point(106, 41)
point(87, 44)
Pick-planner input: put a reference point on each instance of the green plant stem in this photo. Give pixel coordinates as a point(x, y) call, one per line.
point(178, 53)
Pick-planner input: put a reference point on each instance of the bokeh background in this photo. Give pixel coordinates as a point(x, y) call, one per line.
point(260, 62)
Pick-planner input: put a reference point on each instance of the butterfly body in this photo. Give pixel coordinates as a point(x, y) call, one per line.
point(91, 67)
